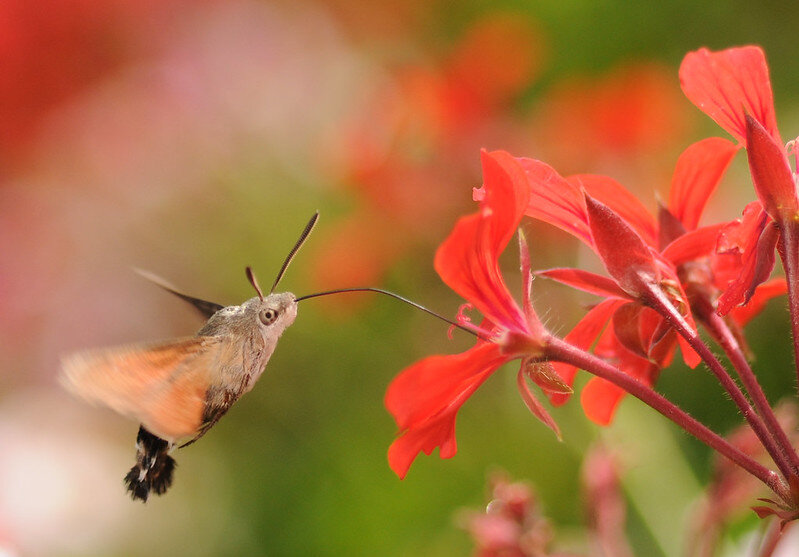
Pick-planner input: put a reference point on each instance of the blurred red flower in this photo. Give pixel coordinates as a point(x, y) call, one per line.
point(630, 115)
point(403, 153)
point(51, 51)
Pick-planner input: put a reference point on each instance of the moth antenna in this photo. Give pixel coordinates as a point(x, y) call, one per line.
point(304, 236)
point(396, 297)
point(254, 282)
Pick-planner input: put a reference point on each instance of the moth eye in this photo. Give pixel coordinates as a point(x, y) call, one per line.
point(267, 316)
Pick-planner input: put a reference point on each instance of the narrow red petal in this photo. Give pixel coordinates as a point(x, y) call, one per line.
point(693, 245)
point(765, 292)
point(535, 407)
point(586, 281)
point(729, 84)
point(424, 400)
point(689, 355)
point(624, 253)
point(699, 170)
point(621, 201)
point(555, 201)
point(771, 172)
point(467, 260)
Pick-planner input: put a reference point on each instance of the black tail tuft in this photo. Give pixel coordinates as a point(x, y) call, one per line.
point(153, 469)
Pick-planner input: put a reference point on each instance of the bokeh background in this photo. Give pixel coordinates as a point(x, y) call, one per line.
point(192, 138)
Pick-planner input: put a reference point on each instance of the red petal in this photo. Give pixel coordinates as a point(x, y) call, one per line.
point(693, 245)
point(583, 335)
point(614, 195)
point(627, 329)
point(600, 399)
point(729, 84)
point(467, 261)
point(625, 255)
point(765, 292)
point(689, 355)
point(699, 170)
point(425, 398)
point(586, 281)
point(554, 200)
point(771, 172)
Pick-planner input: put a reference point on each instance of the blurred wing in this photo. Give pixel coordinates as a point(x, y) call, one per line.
point(206, 308)
point(162, 385)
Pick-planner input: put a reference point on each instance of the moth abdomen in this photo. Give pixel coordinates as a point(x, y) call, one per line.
point(154, 467)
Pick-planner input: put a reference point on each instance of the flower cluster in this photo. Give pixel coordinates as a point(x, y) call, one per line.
point(667, 274)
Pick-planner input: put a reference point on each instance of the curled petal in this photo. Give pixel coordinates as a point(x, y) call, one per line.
point(424, 400)
point(699, 170)
point(757, 265)
point(467, 261)
point(730, 84)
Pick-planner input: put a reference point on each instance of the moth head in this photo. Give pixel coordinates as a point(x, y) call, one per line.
point(272, 313)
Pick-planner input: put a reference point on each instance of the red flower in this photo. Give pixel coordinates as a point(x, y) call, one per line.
point(425, 398)
point(733, 87)
point(637, 251)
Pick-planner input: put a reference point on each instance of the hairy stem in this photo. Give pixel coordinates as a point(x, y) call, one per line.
point(722, 334)
point(658, 301)
point(789, 253)
point(560, 350)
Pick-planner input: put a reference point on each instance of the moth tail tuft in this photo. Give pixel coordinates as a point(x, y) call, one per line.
point(154, 467)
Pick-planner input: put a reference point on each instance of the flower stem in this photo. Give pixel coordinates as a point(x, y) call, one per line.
point(658, 301)
point(722, 334)
point(789, 253)
point(561, 350)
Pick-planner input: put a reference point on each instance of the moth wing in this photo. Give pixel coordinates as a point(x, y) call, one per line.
point(163, 385)
point(206, 308)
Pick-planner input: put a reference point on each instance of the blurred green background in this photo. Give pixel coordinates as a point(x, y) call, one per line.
point(194, 138)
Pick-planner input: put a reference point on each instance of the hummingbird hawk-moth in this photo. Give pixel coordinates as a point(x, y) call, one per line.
point(178, 389)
